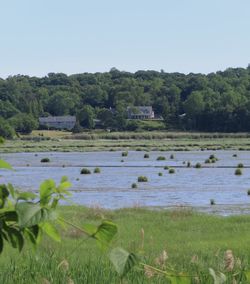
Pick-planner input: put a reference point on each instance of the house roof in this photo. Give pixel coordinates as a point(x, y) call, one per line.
point(49, 119)
point(140, 110)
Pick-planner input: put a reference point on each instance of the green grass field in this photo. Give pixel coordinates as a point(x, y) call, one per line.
point(193, 242)
point(119, 141)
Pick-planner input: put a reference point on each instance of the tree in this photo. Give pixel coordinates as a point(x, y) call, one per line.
point(24, 123)
point(86, 117)
point(6, 131)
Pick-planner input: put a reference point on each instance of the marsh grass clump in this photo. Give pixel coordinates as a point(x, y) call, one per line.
point(208, 161)
point(234, 155)
point(45, 160)
point(122, 161)
point(248, 192)
point(146, 156)
point(172, 156)
point(142, 179)
point(240, 165)
point(212, 156)
point(97, 170)
point(212, 202)
point(85, 171)
point(134, 185)
point(188, 164)
point(166, 167)
point(161, 158)
point(160, 174)
point(171, 171)
point(238, 172)
point(198, 166)
point(125, 154)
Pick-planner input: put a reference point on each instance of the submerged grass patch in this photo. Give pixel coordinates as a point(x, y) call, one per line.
point(85, 171)
point(142, 179)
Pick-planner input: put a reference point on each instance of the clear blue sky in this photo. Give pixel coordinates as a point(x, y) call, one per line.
point(75, 36)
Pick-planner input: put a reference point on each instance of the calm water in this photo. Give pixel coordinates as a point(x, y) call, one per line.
point(112, 187)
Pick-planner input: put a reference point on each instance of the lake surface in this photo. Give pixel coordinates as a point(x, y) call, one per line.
point(112, 187)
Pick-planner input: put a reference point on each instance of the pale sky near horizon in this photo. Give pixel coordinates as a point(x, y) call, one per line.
point(76, 36)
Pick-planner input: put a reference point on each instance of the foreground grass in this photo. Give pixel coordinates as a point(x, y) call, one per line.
point(182, 233)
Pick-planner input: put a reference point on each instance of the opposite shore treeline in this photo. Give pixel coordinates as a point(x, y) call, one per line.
point(214, 102)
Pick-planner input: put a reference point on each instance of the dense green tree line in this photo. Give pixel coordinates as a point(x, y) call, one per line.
point(215, 102)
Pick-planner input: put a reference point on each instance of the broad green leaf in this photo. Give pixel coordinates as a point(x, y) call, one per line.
point(105, 233)
point(1, 242)
point(63, 179)
point(247, 275)
point(62, 188)
point(9, 216)
point(90, 229)
point(51, 231)
point(30, 214)
point(54, 202)
point(5, 165)
point(179, 279)
point(11, 190)
point(26, 196)
point(122, 260)
point(219, 277)
point(46, 189)
point(32, 233)
point(15, 237)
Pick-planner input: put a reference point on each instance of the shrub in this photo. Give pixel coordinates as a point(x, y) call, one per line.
point(159, 174)
point(161, 158)
point(238, 172)
point(124, 154)
point(240, 165)
point(6, 131)
point(134, 185)
point(171, 171)
point(142, 179)
point(85, 171)
point(146, 156)
point(172, 156)
point(212, 202)
point(198, 166)
point(45, 160)
point(97, 170)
